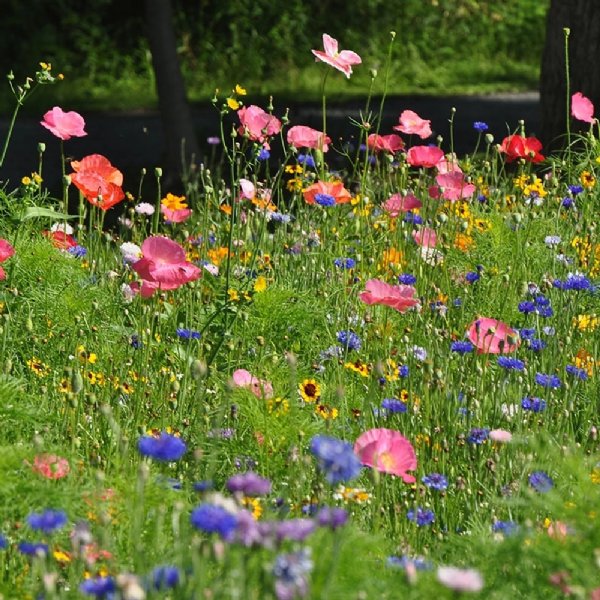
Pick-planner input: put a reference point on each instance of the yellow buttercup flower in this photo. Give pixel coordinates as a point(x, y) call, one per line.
point(239, 90)
point(232, 103)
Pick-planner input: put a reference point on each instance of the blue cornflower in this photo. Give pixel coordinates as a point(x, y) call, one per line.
point(575, 189)
point(532, 404)
point(480, 126)
point(461, 347)
point(306, 160)
point(187, 334)
point(435, 481)
point(472, 276)
point(541, 482)
point(576, 372)
point(526, 307)
point(335, 458)
point(407, 279)
point(33, 548)
point(421, 516)
point(545, 311)
point(101, 587)
point(547, 381)
point(291, 573)
point(135, 341)
point(278, 217)
point(164, 447)
point(542, 301)
point(393, 405)
point(263, 154)
point(526, 333)
point(536, 345)
point(325, 199)
point(349, 340)
point(47, 521)
point(165, 577)
point(402, 562)
point(574, 281)
point(3, 542)
point(344, 263)
point(506, 528)
point(510, 364)
point(552, 240)
point(478, 435)
point(211, 518)
point(410, 217)
point(403, 371)
point(77, 251)
point(567, 202)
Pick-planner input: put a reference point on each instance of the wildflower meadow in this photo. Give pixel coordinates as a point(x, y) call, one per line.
point(332, 368)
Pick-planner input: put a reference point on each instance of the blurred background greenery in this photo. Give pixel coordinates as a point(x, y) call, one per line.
point(441, 47)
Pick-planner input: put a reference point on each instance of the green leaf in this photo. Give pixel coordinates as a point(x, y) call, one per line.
point(33, 212)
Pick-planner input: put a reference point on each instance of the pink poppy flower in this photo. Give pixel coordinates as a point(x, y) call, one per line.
point(385, 143)
point(178, 215)
point(448, 164)
point(64, 125)
point(163, 266)
point(247, 189)
point(342, 61)
point(398, 203)
point(424, 156)
point(425, 237)
point(332, 189)
point(259, 387)
point(582, 108)
point(301, 136)
point(491, 336)
point(51, 466)
point(257, 124)
point(98, 181)
point(454, 187)
point(460, 580)
point(558, 530)
point(411, 123)
point(517, 146)
point(387, 451)
point(500, 436)
point(6, 251)
point(400, 297)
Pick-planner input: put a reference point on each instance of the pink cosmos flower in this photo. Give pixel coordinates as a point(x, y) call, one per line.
point(500, 436)
point(259, 387)
point(491, 336)
point(424, 156)
point(411, 123)
point(163, 266)
point(64, 125)
point(335, 189)
point(257, 124)
point(582, 108)
point(425, 237)
point(51, 466)
point(385, 143)
point(398, 203)
point(342, 61)
point(460, 580)
point(6, 251)
point(387, 451)
point(454, 187)
point(301, 136)
point(400, 297)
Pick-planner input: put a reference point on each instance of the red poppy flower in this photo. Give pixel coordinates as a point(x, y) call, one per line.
point(98, 181)
point(518, 146)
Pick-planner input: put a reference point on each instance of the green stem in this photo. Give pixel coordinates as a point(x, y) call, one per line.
point(10, 130)
point(567, 32)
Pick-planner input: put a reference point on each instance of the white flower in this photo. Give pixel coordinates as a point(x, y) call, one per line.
point(144, 208)
point(460, 580)
point(131, 252)
point(64, 227)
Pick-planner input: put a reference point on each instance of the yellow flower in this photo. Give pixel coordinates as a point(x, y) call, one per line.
point(260, 285)
point(173, 202)
point(218, 255)
point(253, 505)
point(278, 406)
point(596, 474)
point(294, 185)
point(348, 494)
point(233, 103)
point(586, 322)
point(40, 368)
point(26, 181)
point(536, 187)
point(483, 225)
point(233, 295)
point(64, 387)
point(521, 181)
point(239, 90)
point(463, 242)
point(358, 367)
point(326, 412)
point(587, 179)
point(86, 357)
point(310, 390)
point(391, 259)
point(293, 169)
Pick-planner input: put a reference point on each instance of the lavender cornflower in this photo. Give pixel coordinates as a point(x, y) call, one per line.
point(421, 516)
point(478, 435)
point(541, 482)
point(249, 484)
point(552, 240)
point(435, 481)
point(291, 574)
point(332, 517)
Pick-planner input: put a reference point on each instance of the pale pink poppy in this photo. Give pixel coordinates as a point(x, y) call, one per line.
point(51, 466)
point(424, 156)
point(342, 61)
point(257, 124)
point(247, 189)
point(176, 215)
point(460, 580)
point(387, 451)
point(335, 189)
point(582, 108)
point(454, 187)
point(425, 237)
point(400, 297)
point(259, 387)
point(163, 266)
point(500, 436)
point(6, 251)
point(301, 136)
point(411, 123)
point(491, 336)
point(397, 203)
point(448, 164)
point(385, 143)
point(64, 125)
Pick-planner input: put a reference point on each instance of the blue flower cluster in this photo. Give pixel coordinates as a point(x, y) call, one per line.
point(349, 340)
point(532, 404)
point(335, 458)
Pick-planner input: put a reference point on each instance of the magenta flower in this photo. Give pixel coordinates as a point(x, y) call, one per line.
point(257, 124)
point(582, 108)
point(398, 203)
point(342, 61)
point(454, 187)
point(387, 451)
point(163, 266)
point(424, 156)
point(411, 123)
point(400, 297)
point(385, 143)
point(6, 251)
point(491, 336)
point(301, 136)
point(64, 125)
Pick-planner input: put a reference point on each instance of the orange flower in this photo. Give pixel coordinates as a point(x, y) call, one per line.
point(327, 193)
point(98, 181)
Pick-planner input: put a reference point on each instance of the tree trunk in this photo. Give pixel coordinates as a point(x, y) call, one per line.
point(175, 112)
point(582, 17)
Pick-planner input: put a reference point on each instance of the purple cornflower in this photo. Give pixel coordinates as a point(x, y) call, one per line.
point(165, 577)
point(349, 340)
point(526, 333)
point(576, 372)
point(532, 404)
point(407, 279)
point(296, 530)
point(472, 277)
point(335, 458)
point(187, 334)
point(164, 447)
point(291, 574)
point(211, 518)
point(526, 307)
point(421, 516)
point(547, 381)
point(506, 528)
point(344, 263)
point(33, 548)
point(403, 371)
point(332, 517)
point(575, 189)
point(478, 435)
point(47, 521)
point(541, 482)
point(435, 481)
point(101, 587)
point(567, 202)
point(536, 345)
point(249, 484)
point(393, 405)
point(510, 364)
point(325, 200)
point(462, 347)
point(263, 154)
point(410, 217)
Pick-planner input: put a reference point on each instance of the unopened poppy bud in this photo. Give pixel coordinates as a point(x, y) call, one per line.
point(158, 172)
point(198, 369)
point(29, 324)
point(76, 382)
point(41, 147)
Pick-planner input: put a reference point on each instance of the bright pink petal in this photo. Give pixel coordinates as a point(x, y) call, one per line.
point(6, 250)
point(242, 378)
point(424, 156)
point(162, 250)
point(491, 336)
point(425, 237)
point(582, 108)
point(64, 125)
point(411, 123)
point(301, 136)
point(397, 203)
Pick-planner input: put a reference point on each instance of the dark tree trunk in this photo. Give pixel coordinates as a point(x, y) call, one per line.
point(174, 109)
point(582, 17)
